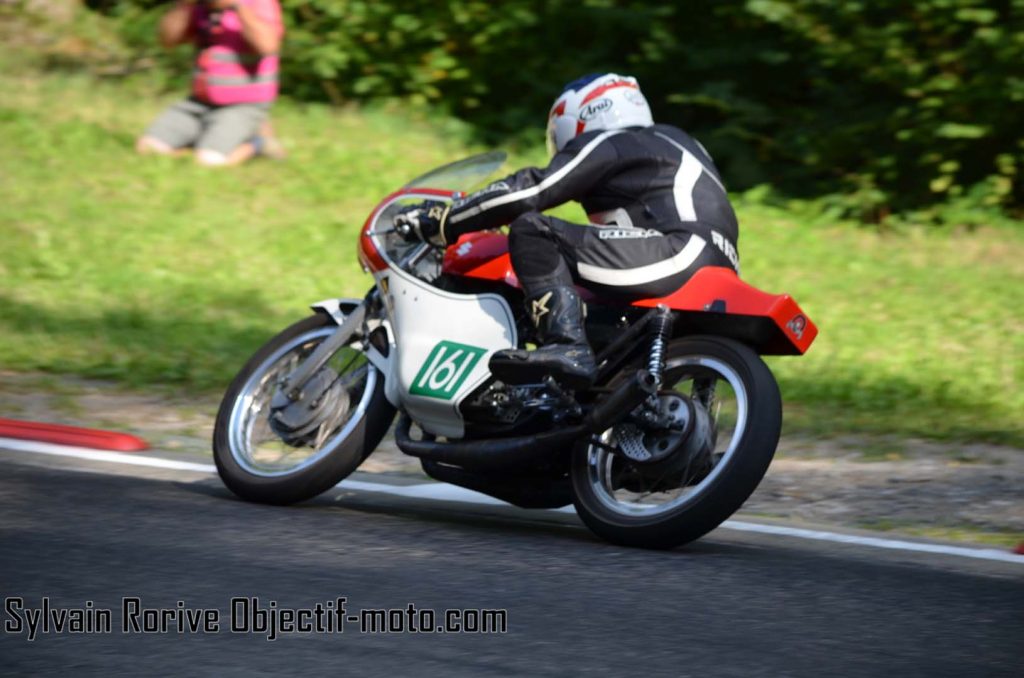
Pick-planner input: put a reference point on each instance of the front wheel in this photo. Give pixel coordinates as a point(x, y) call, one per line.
point(665, 485)
point(286, 457)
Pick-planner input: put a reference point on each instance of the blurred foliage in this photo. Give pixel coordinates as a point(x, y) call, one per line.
point(887, 105)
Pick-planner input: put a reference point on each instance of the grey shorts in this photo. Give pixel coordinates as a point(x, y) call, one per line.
point(191, 123)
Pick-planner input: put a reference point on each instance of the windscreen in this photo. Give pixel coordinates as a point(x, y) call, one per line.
point(461, 175)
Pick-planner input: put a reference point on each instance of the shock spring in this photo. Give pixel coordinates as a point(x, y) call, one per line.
point(661, 327)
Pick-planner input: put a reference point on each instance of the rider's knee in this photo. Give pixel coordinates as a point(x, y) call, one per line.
point(526, 225)
point(527, 220)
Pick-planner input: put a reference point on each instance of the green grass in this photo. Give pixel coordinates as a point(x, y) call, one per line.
point(921, 330)
point(150, 270)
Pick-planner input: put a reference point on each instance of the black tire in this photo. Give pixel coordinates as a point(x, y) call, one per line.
point(726, 491)
point(321, 475)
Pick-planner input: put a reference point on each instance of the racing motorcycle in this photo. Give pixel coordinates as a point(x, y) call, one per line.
point(673, 436)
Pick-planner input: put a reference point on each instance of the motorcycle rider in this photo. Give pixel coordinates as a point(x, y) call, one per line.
point(657, 207)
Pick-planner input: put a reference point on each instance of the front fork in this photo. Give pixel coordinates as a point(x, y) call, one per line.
point(291, 388)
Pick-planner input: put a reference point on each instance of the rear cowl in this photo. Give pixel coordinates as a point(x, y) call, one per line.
point(714, 301)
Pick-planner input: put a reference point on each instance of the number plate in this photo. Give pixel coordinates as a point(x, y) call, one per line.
point(444, 370)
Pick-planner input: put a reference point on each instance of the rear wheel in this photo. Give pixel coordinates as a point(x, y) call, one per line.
point(289, 456)
point(659, 486)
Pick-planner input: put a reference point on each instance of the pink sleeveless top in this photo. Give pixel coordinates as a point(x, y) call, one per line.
point(227, 70)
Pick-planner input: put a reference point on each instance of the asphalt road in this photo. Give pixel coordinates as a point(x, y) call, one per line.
point(730, 605)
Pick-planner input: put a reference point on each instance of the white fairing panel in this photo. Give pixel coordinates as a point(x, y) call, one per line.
point(444, 342)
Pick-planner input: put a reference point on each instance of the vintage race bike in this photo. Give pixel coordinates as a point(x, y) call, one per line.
point(675, 434)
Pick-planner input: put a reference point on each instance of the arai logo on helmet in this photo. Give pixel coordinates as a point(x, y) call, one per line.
point(595, 108)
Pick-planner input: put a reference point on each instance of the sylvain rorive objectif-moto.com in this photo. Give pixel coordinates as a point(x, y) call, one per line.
point(245, 614)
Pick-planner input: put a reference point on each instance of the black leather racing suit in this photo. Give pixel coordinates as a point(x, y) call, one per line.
point(657, 204)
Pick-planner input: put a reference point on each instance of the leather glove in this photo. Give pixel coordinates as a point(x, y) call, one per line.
point(423, 221)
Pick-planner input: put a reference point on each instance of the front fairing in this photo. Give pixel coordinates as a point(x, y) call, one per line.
point(380, 247)
point(440, 342)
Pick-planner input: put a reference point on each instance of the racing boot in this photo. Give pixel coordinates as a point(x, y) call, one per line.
point(565, 354)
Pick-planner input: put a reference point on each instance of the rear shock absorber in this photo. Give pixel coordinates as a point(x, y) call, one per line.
point(661, 329)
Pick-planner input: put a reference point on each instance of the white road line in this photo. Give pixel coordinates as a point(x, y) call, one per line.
point(131, 459)
point(875, 542)
point(444, 492)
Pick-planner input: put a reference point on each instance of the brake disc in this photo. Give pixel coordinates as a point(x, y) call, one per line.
point(324, 399)
point(630, 439)
point(646, 446)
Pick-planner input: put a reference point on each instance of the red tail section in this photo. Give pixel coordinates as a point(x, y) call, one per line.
point(713, 301)
point(715, 290)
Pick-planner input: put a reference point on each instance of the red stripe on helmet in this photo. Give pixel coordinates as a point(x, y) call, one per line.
point(580, 124)
point(559, 109)
point(604, 88)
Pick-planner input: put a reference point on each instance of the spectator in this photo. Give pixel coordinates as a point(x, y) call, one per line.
point(234, 81)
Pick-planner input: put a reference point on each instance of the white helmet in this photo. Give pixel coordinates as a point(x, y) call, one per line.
point(596, 102)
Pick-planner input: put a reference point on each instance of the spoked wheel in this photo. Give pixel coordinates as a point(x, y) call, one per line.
point(659, 485)
point(295, 453)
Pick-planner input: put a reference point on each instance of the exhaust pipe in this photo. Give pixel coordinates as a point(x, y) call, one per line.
point(489, 454)
point(538, 491)
point(496, 454)
point(621, 402)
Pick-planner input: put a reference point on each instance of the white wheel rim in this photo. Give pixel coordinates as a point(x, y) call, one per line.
point(244, 418)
